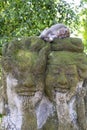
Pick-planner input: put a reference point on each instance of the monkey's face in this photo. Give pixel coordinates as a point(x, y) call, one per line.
point(63, 33)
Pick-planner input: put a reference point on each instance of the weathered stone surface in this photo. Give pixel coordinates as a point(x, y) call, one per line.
point(81, 110)
point(68, 44)
point(44, 85)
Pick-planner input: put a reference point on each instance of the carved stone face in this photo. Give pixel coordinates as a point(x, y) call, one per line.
point(64, 71)
point(22, 71)
point(61, 79)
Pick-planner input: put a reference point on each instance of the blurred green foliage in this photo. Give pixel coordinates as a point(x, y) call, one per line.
point(20, 18)
point(68, 14)
point(24, 18)
point(83, 15)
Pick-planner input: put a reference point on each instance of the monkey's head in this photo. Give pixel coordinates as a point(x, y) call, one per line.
point(63, 33)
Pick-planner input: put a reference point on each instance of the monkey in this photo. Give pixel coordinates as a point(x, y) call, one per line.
point(55, 31)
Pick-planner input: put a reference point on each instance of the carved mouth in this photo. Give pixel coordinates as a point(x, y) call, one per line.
point(26, 94)
point(26, 91)
point(63, 90)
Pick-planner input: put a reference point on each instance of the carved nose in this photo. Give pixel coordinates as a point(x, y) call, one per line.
point(28, 82)
point(62, 79)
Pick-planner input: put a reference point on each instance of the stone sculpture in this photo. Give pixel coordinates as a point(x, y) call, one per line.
point(44, 85)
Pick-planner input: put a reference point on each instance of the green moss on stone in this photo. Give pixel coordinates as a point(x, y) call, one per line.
point(68, 44)
point(22, 53)
point(64, 58)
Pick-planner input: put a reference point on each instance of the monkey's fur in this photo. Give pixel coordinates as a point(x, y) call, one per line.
point(55, 31)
